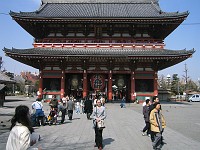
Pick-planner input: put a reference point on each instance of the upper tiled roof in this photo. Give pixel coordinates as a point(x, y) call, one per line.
point(125, 9)
point(104, 52)
point(97, 1)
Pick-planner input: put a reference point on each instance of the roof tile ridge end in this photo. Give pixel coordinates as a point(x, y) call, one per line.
point(41, 7)
point(156, 6)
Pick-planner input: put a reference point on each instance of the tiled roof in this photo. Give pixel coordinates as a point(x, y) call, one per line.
point(131, 9)
point(5, 79)
point(2, 86)
point(97, 1)
point(105, 52)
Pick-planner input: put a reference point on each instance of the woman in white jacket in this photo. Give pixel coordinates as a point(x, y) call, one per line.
point(21, 129)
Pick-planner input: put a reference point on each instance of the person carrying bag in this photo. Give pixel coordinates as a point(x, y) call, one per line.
point(98, 115)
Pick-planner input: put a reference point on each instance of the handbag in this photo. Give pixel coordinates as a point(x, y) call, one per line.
point(100, 125)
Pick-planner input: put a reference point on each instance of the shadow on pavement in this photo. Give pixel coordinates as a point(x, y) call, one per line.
point(108, 141)
point(13, 100)
point(75, 118)
point(9, 106)
point(173, 102)
point(6, 114)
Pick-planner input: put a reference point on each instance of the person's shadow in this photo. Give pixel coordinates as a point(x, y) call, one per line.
point(107, 141)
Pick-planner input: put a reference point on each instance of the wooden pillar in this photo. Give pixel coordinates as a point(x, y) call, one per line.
point(40, 84)
point(110, 85)
point(133, 94)
point(156, 83)
point(85, 83)
point(62, 91)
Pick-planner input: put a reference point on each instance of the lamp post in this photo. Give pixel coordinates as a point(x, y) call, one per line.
point(199, 83)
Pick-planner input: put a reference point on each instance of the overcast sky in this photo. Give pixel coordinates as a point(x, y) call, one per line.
point(186, 36)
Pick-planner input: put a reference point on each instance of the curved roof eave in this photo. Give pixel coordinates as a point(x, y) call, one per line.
point(128, 52)
point(34, 17)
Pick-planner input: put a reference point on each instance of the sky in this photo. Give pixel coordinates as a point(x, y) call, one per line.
point(186, 36)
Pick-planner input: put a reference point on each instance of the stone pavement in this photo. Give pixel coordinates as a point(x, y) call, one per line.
point(122, 132)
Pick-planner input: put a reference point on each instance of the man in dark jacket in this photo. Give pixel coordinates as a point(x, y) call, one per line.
point(54, 102)
point(146, 114)
point(88, 107)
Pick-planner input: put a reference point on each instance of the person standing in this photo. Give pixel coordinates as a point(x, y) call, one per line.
point(78, 106)
point(95, 101)
point(20, 130)
point(88, 108)
point(151, 107)
point(158, 123)
point(103, 100)
point(82, 107)
point(146, 113)
point(99, 113)
point(64, 100)
point(63, 111)
point(123, 102)
point(70, 108)
point(54, 102)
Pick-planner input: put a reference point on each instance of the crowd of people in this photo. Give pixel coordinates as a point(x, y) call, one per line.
point(20, 136)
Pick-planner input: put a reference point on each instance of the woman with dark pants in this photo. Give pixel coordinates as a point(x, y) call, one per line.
point(98, 114)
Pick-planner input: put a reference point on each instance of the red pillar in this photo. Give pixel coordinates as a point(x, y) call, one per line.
point(133, 94)
point(40, 84)
point(85, 83)
point(156, 83)
point(110, 85)
point(62, 91)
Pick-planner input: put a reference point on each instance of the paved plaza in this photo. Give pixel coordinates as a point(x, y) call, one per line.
point(122, 132)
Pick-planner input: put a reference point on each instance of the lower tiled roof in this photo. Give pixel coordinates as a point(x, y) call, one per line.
point(5, 79)
point(98, 52)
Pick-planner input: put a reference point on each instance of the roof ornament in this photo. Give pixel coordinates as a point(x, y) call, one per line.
point(156, 6)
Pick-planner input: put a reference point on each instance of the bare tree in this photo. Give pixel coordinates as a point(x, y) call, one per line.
point(186, 77)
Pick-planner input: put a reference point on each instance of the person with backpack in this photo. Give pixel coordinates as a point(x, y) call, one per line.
point(37, 106)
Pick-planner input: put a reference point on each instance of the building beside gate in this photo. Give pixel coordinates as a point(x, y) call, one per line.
point(89, 47)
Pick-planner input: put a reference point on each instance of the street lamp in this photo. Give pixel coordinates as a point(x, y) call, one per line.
point(199, 82)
